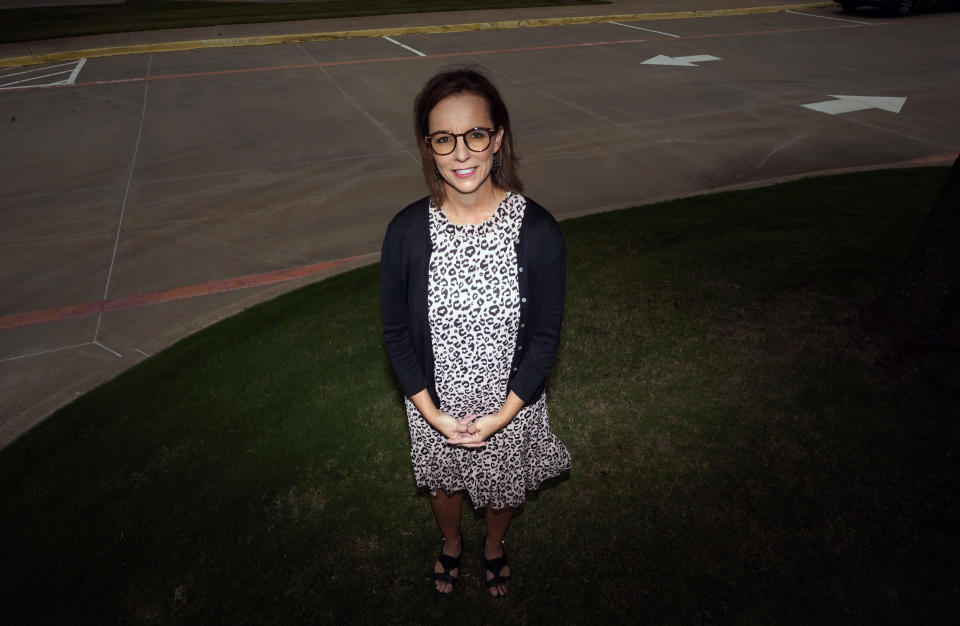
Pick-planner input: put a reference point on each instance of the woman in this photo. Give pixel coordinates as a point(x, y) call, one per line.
point(471, 285)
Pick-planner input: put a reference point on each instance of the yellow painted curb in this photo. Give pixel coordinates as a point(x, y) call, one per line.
point(264, 40)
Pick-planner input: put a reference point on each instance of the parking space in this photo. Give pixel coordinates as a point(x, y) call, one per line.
point(350, 50)
point(118, 68)
point(225, 59)
point(160, 171)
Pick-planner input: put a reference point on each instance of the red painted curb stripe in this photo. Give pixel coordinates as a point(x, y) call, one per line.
point(931, 160)
point(121, 303)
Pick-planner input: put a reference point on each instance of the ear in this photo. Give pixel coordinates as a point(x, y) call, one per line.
point(497, 139)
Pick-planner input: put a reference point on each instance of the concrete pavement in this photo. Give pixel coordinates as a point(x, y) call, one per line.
point(233, 35)
point(160, 192)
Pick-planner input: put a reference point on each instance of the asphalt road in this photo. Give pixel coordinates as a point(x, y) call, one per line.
point(157, 193)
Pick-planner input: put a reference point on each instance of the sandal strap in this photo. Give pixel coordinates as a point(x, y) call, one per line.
point(498, 580)
point(448, 562)
point(494, 566)
point(497, 564)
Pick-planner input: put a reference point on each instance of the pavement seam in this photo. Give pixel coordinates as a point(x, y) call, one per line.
point(262, 40)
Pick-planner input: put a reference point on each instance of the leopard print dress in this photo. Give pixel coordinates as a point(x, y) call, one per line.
point(474, 311)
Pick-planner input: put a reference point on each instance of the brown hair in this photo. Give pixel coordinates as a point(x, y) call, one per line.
point(458, 81)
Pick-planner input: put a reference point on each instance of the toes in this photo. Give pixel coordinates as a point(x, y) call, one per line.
point(498, 591)
point(444, 587)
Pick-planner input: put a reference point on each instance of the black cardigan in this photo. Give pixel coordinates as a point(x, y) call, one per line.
point(404, 269)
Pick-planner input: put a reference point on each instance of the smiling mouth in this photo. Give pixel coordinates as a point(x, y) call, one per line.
point(464, 173)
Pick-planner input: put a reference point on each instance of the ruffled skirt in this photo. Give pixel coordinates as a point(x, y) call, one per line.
point(515, 460)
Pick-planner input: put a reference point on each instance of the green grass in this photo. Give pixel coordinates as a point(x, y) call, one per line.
point(66, 21)
point(740, 455)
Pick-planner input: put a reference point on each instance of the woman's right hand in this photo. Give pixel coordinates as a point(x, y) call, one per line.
point(447, 425)
point(452, 428)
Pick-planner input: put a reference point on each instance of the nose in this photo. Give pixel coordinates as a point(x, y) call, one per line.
point(461, 152)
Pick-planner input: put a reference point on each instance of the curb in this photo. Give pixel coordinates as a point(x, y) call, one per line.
point(935, 160)
point(176, 46)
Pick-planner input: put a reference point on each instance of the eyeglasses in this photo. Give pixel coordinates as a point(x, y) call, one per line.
point(476, 139)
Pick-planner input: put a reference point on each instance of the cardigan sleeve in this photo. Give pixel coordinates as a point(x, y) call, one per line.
point(394, 292)
point(548, 271)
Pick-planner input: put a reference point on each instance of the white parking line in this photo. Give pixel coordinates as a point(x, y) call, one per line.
point(114, 352)
point(392, 40)
point(42, 352)
point(649, 30)
point(32, 80)
point(126, 196)
point(76, 71)
point(36, 69)
point(827, 17)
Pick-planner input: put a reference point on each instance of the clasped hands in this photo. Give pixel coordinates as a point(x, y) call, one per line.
point(470, 431)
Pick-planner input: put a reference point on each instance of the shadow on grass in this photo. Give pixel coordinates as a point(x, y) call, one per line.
point(739, 455)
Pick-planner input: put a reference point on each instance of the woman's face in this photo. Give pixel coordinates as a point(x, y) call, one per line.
point(464, 170)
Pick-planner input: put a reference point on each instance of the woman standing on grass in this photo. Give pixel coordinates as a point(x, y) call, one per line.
point(471, 287)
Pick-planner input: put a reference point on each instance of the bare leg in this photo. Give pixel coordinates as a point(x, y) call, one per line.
point(448, 509)
point(498, 521)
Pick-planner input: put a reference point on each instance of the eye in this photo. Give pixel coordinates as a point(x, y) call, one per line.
point(478, 133)
point(441, 139)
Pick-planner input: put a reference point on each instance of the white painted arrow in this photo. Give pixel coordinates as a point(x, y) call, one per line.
point(848, 104)
point(661, 59)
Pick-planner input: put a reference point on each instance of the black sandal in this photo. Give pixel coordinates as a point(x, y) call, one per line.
point(448, 563)
point(494, 566)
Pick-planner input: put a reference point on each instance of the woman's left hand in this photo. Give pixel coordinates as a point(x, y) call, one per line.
point(478, 431)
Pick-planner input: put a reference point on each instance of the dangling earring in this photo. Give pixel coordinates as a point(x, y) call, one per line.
point(496, 163)
point(436, 170)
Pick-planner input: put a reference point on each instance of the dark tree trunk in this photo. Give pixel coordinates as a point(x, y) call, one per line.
point(922, 300)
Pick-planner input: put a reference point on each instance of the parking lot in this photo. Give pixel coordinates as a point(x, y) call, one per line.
point(146, 196)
